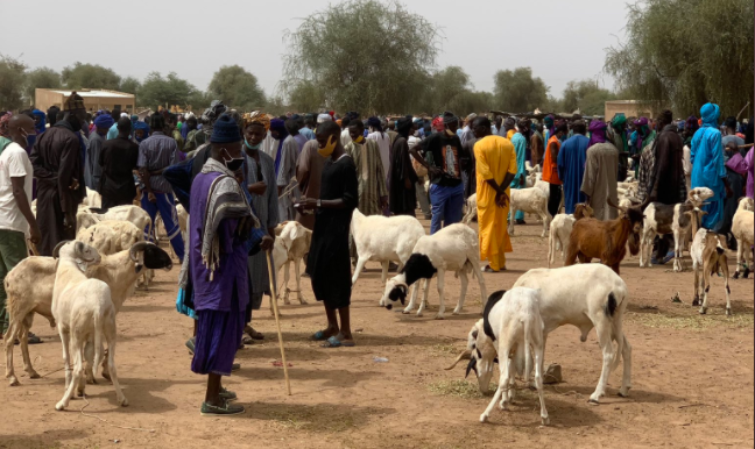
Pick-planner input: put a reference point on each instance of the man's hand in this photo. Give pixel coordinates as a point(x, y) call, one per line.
point(258, 188)
point(68, 220)
point(435, 171)
point(306, 204)
point(267, 243)
point(74, 184)
point(151, 197)
point(501, 199)
point(34, 235)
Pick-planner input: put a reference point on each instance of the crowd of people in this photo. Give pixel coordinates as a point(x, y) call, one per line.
point(239, 175)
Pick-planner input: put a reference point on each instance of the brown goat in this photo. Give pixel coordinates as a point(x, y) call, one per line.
point(605, 240)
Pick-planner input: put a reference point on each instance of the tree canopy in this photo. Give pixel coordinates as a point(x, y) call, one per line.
point(687, 52)
point(166, 92)
point(364, 54)
point(587, 96)
point(518, 91)
point(11, 82)
point(43, 78)
point(237, 88)
point(90, 76)
point(130, 85)
point(306, 96)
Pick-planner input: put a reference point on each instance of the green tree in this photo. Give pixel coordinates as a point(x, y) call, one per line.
point(687, 52)
point(130, 85)
point(237, 88)
point(43, 78)
point(90, 76)
point(365, 55)
point(11, 83)
point(166, 92)
point(519, 91)
point(306, 96)
point(587, 96)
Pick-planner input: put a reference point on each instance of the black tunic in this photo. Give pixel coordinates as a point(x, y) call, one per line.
point(328, 264)
point(118, 160)
point(402, 200)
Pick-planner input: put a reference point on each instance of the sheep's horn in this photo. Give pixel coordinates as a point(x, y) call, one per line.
point(139, 246)
point(612, 204)
point(465, 354)
point(56, 250)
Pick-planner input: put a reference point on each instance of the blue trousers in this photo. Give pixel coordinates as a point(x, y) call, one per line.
point(166, 205)
point(447, 204)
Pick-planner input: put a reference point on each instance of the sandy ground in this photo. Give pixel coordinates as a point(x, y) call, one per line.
point(692, 379)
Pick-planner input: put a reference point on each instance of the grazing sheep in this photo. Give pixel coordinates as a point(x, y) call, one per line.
point(560, 231)
point(742, 228)
point(83, 310)
point(291, 245)
point(454, 248)
point(111, 236)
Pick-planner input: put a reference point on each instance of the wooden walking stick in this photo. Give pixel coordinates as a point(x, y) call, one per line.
point(269, 257)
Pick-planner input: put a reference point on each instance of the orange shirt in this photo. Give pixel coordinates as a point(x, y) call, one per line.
point(550, 168)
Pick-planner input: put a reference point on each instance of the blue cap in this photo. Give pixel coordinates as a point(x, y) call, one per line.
point(225, 130)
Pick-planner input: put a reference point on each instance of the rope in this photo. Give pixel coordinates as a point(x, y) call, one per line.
point(290, 188)
point(107, 422)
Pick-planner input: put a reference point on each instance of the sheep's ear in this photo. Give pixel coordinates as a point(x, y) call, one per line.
point(79, 249)
point(138, 268)
point(475, 333)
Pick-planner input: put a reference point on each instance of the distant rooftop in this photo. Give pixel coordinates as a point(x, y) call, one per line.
point(94, 93)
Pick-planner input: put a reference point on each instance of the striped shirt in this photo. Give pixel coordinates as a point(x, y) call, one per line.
point(370, 175)
point(155, 153)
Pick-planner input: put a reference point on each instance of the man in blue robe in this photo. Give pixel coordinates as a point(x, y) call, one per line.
point(520, 146)
point(707, 158)
point(571, 165)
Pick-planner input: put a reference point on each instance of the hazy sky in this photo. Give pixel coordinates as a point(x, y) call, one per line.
point(561, 41)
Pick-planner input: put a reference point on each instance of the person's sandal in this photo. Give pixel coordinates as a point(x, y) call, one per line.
point(249, 330)
point(227, 395)
point(225, 410)
point(235, 367)
point(190, 345)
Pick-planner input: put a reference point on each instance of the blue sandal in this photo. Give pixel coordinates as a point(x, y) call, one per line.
point(334, 342)
point(319, 336)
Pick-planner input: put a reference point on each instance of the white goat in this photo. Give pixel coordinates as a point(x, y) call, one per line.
point(471, 212)
point(534, 180)
point(742, 228)
point(512, 327)
point(83, 310)
point(530, 200)
point(585, 296)
point(291, 245)
point(29, 287)
point(708, 253)
point(453, 248)
point(558, 237)
point(663, 219)
point(384, 239)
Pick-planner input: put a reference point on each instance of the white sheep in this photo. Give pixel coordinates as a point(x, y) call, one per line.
point(584, 296)
point(454, 248)
point(663, 219)
point(530, 200)
point(291, 245)
point(29, 286)
point(83, 310)
point(708, 253)
point(93, 199)
point(384, 239)
point(558, 237)
point(139, 217)
point(111, 236)
point(511, 327)
point(742, 228)
point(471, 206)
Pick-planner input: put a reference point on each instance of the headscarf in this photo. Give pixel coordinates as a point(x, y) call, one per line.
point(691, 124)
point(4, 120)
point(255, 117)
point(709, 114)
point(549, 121)
point(279, 125)
point(74, 103)
point(144, 127)
point(449, 117)
point(39, 126)
point(438, 124)
point(618, 123)
point(322, 118)
point(597, 132)
point(641, 132)
point(104, 121)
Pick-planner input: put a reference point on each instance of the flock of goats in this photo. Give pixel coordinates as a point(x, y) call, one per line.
point(81, 289)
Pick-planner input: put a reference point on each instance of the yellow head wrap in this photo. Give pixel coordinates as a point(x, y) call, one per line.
point(256, 117)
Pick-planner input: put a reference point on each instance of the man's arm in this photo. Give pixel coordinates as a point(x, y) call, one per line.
point(142, 163)
point(19, 195)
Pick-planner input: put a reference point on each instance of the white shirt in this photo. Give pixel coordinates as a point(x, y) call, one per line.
point(384, 145)
point(345, 137)
point(14, 163)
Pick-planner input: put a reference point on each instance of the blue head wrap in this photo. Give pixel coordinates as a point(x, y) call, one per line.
point(104, 121)
point(39, 126)
point(225, 130)
point(709, 113)
point(144, 127)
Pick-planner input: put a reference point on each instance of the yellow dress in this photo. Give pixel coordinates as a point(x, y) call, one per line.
point(510, 134)
point(495, 156)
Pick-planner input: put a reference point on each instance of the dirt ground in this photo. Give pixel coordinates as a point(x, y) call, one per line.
point(692, 377)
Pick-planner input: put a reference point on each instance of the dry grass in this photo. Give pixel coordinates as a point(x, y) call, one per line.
point(691, 322)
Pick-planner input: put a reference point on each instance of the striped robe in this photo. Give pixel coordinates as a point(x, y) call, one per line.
point(370, 175)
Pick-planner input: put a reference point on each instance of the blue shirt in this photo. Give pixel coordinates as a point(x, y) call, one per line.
point(571, 169)
point(308, 133)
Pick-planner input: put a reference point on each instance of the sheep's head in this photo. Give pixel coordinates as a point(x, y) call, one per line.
point(395, 291)
point(746, 203)
point(81, 253)
point(145, 254)
point(699, 194)
point(582, 210)
point(634, 214)
point(481, 355)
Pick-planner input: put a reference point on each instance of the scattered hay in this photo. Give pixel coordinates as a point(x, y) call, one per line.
point(691, 322)
point(313, 419)
point(446, 349)
point(458, 388)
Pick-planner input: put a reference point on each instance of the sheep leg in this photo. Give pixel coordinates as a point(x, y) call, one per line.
point(297, 271)
point(677, 252)
point(538, 352)
point(110, 338)
point(740, 243)
point(89, 367)
point(603, 330)
point(696, 285)
point(512, 214)
point(501, 394)
point(10, 336)
point(72, 380)
point(464, 283)
point(384, 271)
point(483, 291)
point(25, 349)
point(441, 295)
point(413, 299)
point(725, 271)
point(286, 277)
point(706, 288)
point(545, 216)
point(626, 378)
point(360, 266)
point(424, 298)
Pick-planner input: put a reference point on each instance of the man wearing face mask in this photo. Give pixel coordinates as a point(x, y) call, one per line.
point(444, 158)
point(16, 218)
point(58, 163)
point(328, 263)
point(156, 153)
point(219, 231)
point(93, 171)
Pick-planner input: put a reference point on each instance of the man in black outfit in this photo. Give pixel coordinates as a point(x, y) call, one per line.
point(118, 161)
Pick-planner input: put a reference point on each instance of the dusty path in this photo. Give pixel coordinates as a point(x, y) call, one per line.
point(692, 380)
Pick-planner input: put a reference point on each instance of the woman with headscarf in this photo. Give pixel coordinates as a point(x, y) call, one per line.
point(708, 168)
point(284, 150)
point(690, 127)
point(601, 168)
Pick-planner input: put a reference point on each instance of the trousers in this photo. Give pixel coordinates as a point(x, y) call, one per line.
point(447, 204)
point(12, 251)
point(554, 199)
point(166, 205)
